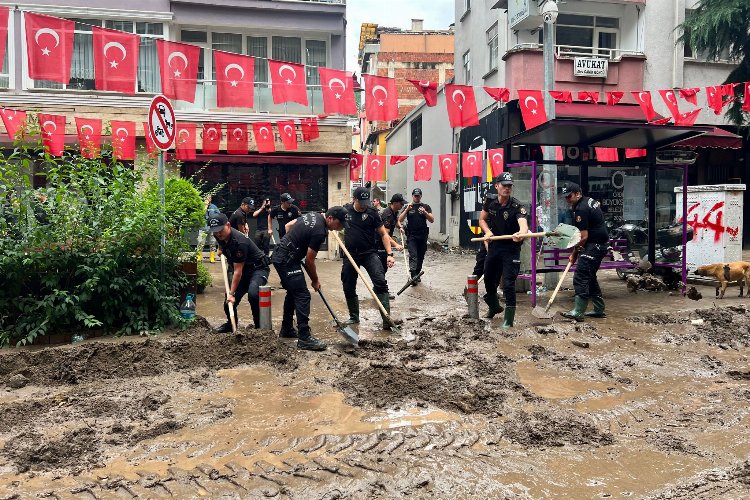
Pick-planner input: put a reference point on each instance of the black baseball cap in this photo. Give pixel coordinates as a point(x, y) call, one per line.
point(337, 213)
point(217, 222)
point(505, 179)
point(248, 201)
point(416, 192)
point(363, 195)
point(398, 198)
point(570, 188)
point(287, 197)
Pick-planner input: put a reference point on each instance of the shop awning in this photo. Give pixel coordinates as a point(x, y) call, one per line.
point(717, 138)
point(337, 160)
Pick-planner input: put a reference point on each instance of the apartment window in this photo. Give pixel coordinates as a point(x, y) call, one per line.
point(257, 46)
point(693, 54)
point(199, 38)
point(415, 128)
point(286, 48)
point(580, 34)
point(492, 47)
point(149, 77)
point(315, 56)
point(4, 72)
point(225, 42)
point(467, 67)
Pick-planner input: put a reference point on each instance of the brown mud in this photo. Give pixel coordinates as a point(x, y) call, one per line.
point(651, 402)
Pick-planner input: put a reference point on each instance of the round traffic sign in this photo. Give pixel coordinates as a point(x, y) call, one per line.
point(161, 122)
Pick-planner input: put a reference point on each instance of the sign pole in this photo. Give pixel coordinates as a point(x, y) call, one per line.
point(162, 207)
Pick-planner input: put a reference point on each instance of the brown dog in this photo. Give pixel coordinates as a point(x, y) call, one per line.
point(725, 273)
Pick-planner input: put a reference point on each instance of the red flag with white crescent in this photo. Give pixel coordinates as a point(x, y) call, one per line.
point(264, 139)
point(396, 159)
point(448, 166)
point(123, 139)
point(53, 133)
point(715, 98)
point(586, 96)
point(337, 87)
point(211, 138)
point(288, 133)
point(238, 141)
point(687, 119)
point(375, 169)
point(690, 95)
point(89, 136)
point(381, 100)
point(746, 102)
point(614, 97)
point(14, 121)
point(561, 95)
point(422, 168)
point(288, 82)
point(310, 130)
point(151, 148)
point(356, 161)
point(643, 99)
point(427, 89)
point(635, 153)
point(531, 103)
point(49, 47)
point(606, 155)
point(499, 94)
point(462, 106)
point(235, 80)
point(185, 141)
point(178, 65)
point(471, 164)
point(670, 99)
point(497, 161)
point(115, 60)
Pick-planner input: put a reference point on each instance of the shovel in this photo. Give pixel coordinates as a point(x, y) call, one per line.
point(226, 288)
point(543, 312)
point(344, 329)
point(563, 236)
point(408, 283)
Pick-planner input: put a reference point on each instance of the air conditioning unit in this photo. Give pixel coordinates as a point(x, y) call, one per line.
point(676, 157)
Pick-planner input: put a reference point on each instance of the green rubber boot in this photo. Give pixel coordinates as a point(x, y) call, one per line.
point(598, 311)
point(386, 301)
point(353, 305)
point(493, 302)
point(510, 315)
point(577, 312)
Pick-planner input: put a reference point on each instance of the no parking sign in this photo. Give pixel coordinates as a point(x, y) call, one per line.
point(161, 122)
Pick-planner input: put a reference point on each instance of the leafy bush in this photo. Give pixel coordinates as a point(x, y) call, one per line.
point(85, 251)
point(204, 277)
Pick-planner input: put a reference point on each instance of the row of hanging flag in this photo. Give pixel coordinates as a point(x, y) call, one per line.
point(50, 40)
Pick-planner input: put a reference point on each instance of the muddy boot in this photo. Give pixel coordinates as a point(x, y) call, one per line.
point(311, 344)
point(598, 311)
point(287, 331)
point(493, 302)
point(353, 305)
point(577, 312)
point(225, 328)
point(383, 297)
point(510, 315)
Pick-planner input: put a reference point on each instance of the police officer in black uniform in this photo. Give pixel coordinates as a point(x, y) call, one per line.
point(303, 241)
point(503, 216)
point(250, 268)
point(588, 254)
point(482, 250)
point(363, 226)
point(285, 213)
point(238, 220)
point(264, 229)
point(389, 216)
point(417, 215)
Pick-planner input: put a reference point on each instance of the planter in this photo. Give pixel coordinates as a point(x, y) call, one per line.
point(190, 268)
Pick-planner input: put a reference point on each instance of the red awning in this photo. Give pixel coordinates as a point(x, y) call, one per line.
point(717, 138)
point(624, 112)
point(275, 159)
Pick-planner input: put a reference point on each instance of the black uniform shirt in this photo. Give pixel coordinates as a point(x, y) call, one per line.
point(503, 219)
point(238, 218)
point(309, 231)
point(389, 218)
point(587, 215)
point(359, 236)
point(263, 219)
point(284, 216)
point(239, 248)
point(416, 223)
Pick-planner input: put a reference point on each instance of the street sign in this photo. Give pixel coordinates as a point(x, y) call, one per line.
point(161, 122)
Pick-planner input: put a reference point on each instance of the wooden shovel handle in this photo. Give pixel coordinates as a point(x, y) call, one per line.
point(226, 288)
point(557, 288)
point(510, 236)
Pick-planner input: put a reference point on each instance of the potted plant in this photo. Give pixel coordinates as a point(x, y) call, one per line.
point(204, 277)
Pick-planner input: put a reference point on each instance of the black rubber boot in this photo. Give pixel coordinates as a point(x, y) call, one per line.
point(311, 344)
point(225, 328)
point(287, 332)
point(577, 312)
point(598, 311)
point(353, 305)
point(493, 302)
point(385, 300)
point(510, 315)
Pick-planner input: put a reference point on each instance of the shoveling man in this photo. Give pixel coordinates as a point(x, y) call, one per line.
point(417, 215)
point(389, 216)
point(504, 215)
point(250, 268)
point(302, 240)
point(588, 254)
point(363, 226)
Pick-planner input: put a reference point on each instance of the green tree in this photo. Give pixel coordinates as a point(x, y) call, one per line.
point(714, 27)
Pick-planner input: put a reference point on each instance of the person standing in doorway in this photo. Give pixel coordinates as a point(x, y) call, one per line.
point(285, 213)
point(417, 215)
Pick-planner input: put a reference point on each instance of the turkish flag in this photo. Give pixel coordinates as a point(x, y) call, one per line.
point(89, 136)
point(235, 80)
point(471, 164)
point(178, 64)
point(288, 82)
point(310, 130)
point(211, 138)
point(687, 119)
point(562, 95)
point(151, 148)
point(635, 153)
point(614, 97)
point(123, 139)
point(238, 141)
point(448, 165)
point(53, 133)
point(499, 94)
point(396, 159)
point(288, 133)
point(49, 47)
point(427, 89)
point(462, 106)
point(715, 98)
point(661, 121)
point(690, 95)
point(375, 170)
point(644, 100)
point(338, 91)
point(531, 103)
point(3, 31)
point(605, 155)
point(559, 155)
point(185, 141)
point(497, 161)
point(381, 102)
point(14, 121)
point(264, 139)
point(115, 60)
point(586, 96)
point(670, 99)
point(746, 102)
point(355, 166)
point(422, 168)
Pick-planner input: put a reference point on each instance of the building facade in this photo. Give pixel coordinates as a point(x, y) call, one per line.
point(307, 32)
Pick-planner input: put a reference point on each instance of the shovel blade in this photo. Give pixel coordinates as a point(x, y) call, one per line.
point(408, 283)
point(542, 313)
point(349, 334)
point(564, 236)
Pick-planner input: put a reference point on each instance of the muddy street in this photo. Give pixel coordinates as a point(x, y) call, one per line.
point(651, 402)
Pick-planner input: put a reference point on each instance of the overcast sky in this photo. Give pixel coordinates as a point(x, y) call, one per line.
point(437, 14)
